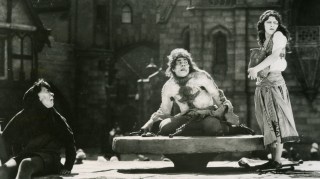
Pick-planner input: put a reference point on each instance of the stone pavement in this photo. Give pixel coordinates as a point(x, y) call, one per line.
point(91, 169)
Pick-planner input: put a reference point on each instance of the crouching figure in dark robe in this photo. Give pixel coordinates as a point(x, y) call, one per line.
point(35, 137)
point(204, 109)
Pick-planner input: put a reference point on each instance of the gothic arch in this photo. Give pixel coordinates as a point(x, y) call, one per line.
point(124, 41)
point(123, 3)
point(128, 48)
point(126, 14)
point(124, 48)
point(220, 38)
point(129, 65)
point(220, 28)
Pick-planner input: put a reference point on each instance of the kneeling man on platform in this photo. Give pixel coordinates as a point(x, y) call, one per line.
point(204, 110)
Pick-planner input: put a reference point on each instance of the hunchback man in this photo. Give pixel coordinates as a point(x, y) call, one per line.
point(204, 109)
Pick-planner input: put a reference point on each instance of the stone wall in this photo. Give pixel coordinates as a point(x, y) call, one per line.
point(58, 23)
point(11, 99)
point(91, 98)
point(85, 24)
point(240, 26)
point(57, 66)
point(78, 71)
point(143, 27)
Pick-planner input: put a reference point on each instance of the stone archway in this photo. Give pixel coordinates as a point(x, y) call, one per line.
point(129, 63)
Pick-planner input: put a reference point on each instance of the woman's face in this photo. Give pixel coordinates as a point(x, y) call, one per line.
point(182, 67)
point(271, 25)
point(46, 97)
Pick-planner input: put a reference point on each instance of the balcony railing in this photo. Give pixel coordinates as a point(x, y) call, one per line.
point(307, 34)
point(306, 59)
point(212, 4)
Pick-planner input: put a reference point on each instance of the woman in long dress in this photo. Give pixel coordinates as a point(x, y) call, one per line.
point(272, 103)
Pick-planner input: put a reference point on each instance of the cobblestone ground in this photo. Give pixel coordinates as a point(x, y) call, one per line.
point(164, 169)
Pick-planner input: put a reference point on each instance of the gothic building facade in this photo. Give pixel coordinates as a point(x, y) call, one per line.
point(95, 54)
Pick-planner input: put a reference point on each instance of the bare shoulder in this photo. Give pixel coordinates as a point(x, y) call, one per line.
point(279, 40)
point(279, 36)
point(169, 87)
point(201, 74)
point(169, 82)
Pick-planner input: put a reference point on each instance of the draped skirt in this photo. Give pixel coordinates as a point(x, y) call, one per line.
point(273, 110)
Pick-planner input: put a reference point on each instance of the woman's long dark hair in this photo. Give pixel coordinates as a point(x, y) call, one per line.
point(260, 26)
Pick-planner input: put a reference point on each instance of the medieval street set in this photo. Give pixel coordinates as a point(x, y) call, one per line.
point(106, 59)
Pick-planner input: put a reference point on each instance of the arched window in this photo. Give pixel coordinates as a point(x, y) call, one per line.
point(219, 65)
point(126, 15)
point(186, 39)
point(22, 57)
point(17, 63)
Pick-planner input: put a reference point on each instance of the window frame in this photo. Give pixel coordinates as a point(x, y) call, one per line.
point(5, 57)
point(128, 12)
point(215, 51)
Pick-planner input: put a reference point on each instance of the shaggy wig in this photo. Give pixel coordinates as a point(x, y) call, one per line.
point(180, 53)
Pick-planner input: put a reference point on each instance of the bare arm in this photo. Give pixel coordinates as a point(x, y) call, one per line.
point(166, 104)
point(279, 43)
point(164, 110)
point(217, 94)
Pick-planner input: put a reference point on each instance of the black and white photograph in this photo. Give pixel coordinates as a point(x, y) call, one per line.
point(173, 89)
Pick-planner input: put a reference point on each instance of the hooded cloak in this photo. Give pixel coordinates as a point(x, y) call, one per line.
point(40, 131)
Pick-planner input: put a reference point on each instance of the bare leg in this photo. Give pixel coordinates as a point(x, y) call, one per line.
point(272, 149)
point(278, 150)
point(9, 169)
point(29, 166)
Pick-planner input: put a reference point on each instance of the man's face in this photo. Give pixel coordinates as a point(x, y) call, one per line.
point(46, 97)
point(182, 67)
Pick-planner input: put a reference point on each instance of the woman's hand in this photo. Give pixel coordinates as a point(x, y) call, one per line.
point(65, 172)
point(253, 73)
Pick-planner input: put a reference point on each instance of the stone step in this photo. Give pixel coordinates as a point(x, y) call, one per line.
point(187, 145)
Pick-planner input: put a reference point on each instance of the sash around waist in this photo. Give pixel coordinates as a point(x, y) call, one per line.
point(274, 78)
